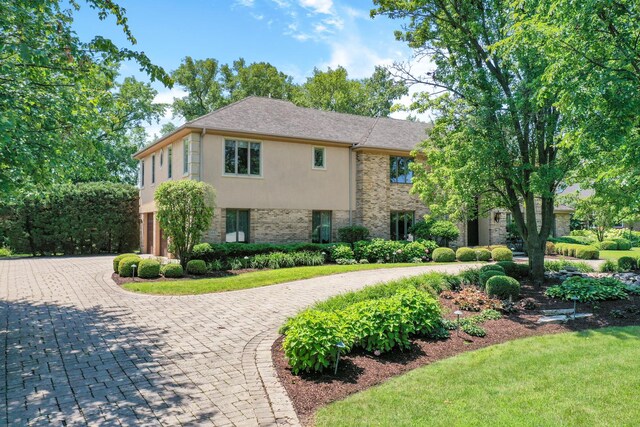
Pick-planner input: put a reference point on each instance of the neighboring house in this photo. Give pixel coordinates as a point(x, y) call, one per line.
point(284, 173)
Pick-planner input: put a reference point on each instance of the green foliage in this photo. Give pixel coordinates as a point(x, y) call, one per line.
point(483, 254)
point(342, 251)
point(557, 265)
point(444, 255)
point(197, 267)
point(307, 258)
point(609, 266)
point(172, 270)
point(492, 267)
point(471, 299)
point(148, 268)
point(627, 263)
point(486, 275)
point(380, 250)
point(577, 251)
point(5, 252)
point(353, 233)
point(503, 287)
point(608, 245)
point(345, 261)
point(125, 266)
point(466, 254)
point(185, 211)
point(588, 289)
point(88, 218)
point(473, 330)
point(118, 258)
point(501, 254)
point(421, 229)
point(470, 276)
point(444, 231)
point(203, 251)
point(623, 244)
point(227, 251)
point(515, 270)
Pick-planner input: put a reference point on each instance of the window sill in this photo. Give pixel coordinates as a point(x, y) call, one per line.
point(231, 175)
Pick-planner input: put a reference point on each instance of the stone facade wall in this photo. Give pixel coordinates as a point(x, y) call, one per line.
point(563, 224)
point(377, 197)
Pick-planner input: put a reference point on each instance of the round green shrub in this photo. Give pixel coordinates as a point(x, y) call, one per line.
point(502, 254)
point(494, 267)
point(503, 287)
point(172, 270)
point(203, 251)
point(627, 263)
point(587, 252)
point(197, 267)
point(483, 254)
point(117, 259)
point(342, 252)
point(623, 244)
point(444, 255)
point(486, 275)
point(515, 270)
point(148, 269)
point(608, 245)
point(125, 268)
point(466, 254)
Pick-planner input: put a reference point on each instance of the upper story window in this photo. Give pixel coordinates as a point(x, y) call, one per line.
point(400, 171)
point(242, 157)
point(161, 157)
point(185, 156)
point(153, 169)
point(319, 158)
point(169, 161)
point(142, 173)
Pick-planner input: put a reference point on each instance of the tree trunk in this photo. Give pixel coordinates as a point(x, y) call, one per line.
point(536, 261)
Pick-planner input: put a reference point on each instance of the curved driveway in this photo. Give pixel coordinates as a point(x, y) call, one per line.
point(78, 349)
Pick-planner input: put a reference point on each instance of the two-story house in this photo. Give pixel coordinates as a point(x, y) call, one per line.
point(284, 173)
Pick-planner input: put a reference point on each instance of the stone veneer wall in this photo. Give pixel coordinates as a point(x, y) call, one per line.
point(376, 196)
point(498, 230)
point(563, 224)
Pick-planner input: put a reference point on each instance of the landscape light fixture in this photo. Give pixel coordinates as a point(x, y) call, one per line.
point(458, 313)
point(133, 271)
point(575, 304)
point(340, 346)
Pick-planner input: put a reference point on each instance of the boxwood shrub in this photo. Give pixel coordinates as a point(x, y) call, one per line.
point(466, 254)
point(148, 269)
point(515, 270)
point(489, 267)
point(125, 268)
point(444, 255)
point(503, 287)
point(172, 270)
point(627, 263)
point(117, 259)
point(486, 275)
point(483, 254)
point(623, 244)
point(502, 254)
point(577, 251)
point(608, 245)
point(197, 267)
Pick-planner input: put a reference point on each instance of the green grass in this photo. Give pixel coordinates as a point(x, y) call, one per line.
point(615, 255)
point(254, 279)
point(574, 379)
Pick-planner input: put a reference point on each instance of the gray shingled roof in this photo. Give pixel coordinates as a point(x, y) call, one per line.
point(274, 117)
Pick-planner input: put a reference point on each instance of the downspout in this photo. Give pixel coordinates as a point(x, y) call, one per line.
point(202, 134)
point(350, 185)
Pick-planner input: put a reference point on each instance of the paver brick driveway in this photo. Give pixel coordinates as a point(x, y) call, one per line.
point(75, 349)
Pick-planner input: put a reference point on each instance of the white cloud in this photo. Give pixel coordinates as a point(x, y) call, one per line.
point(166, 97)
point(318, 6)
point(245, 3)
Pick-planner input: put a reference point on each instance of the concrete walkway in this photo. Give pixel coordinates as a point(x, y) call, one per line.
point(76, 349)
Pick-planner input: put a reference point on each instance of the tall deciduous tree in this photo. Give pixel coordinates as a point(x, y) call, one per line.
point(497, 131)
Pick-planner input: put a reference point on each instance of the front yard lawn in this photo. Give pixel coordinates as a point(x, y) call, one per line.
point(615, 255)
point(579, 378)
point(253, 279)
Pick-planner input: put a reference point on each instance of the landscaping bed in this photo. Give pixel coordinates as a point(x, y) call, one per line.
point(120, 280)
point(360, 370)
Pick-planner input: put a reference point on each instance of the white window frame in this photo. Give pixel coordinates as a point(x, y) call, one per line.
point(186, 148)
point(236, 175)
point(324, 158)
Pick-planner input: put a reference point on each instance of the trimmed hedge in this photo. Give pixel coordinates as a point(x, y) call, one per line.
point(608, 245)
point(225, 251)
point(125, 268)
point(353, 233)
point(149, 269)
point(577, 251)
point(483, 254)
point(444, 255)
point(502, 254)
point(197, 267)
point(172, 270)
point(627, 263)
point(494, 267)
point(503, 287)
point(466, 254)
point(486, 275)
point(515, 270)
point(117, 259)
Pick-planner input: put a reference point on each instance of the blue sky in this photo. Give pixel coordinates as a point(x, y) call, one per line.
point(293, 35)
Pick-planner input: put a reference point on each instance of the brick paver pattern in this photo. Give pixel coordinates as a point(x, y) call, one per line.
point(75, 349)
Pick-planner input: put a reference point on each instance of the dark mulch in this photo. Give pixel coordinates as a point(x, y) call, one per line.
point(360, 370)
point(214, 274)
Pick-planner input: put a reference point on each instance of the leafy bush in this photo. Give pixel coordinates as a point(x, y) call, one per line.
point(117, 259)
point(344, 261)
point(353, 233)
point(306, 258)
point(623, 244)
point(378, 249)
point(577, 250)
point(203, 251)
point(5, 252)
point(503, 287)
point(473, 330)
point(81, 218)
point(588, 289)
point(490, 267)
point(125, 266)
point(363, 261)
point(172, 270)
point(609, 266)
point(483, 254)
point(471, 299)
point(197, 267)
point(444, 255)
point(470, 276)
point(515, 270)
point(421, 249)
point(486, 275)
point(149, 269)
point(227, 251)
point(444, 231)
point(502, 254)
point(550, 248)
point(627, 263)
point(553, 265)
point(466, 254)
point(608, 245)
point(342, 251)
